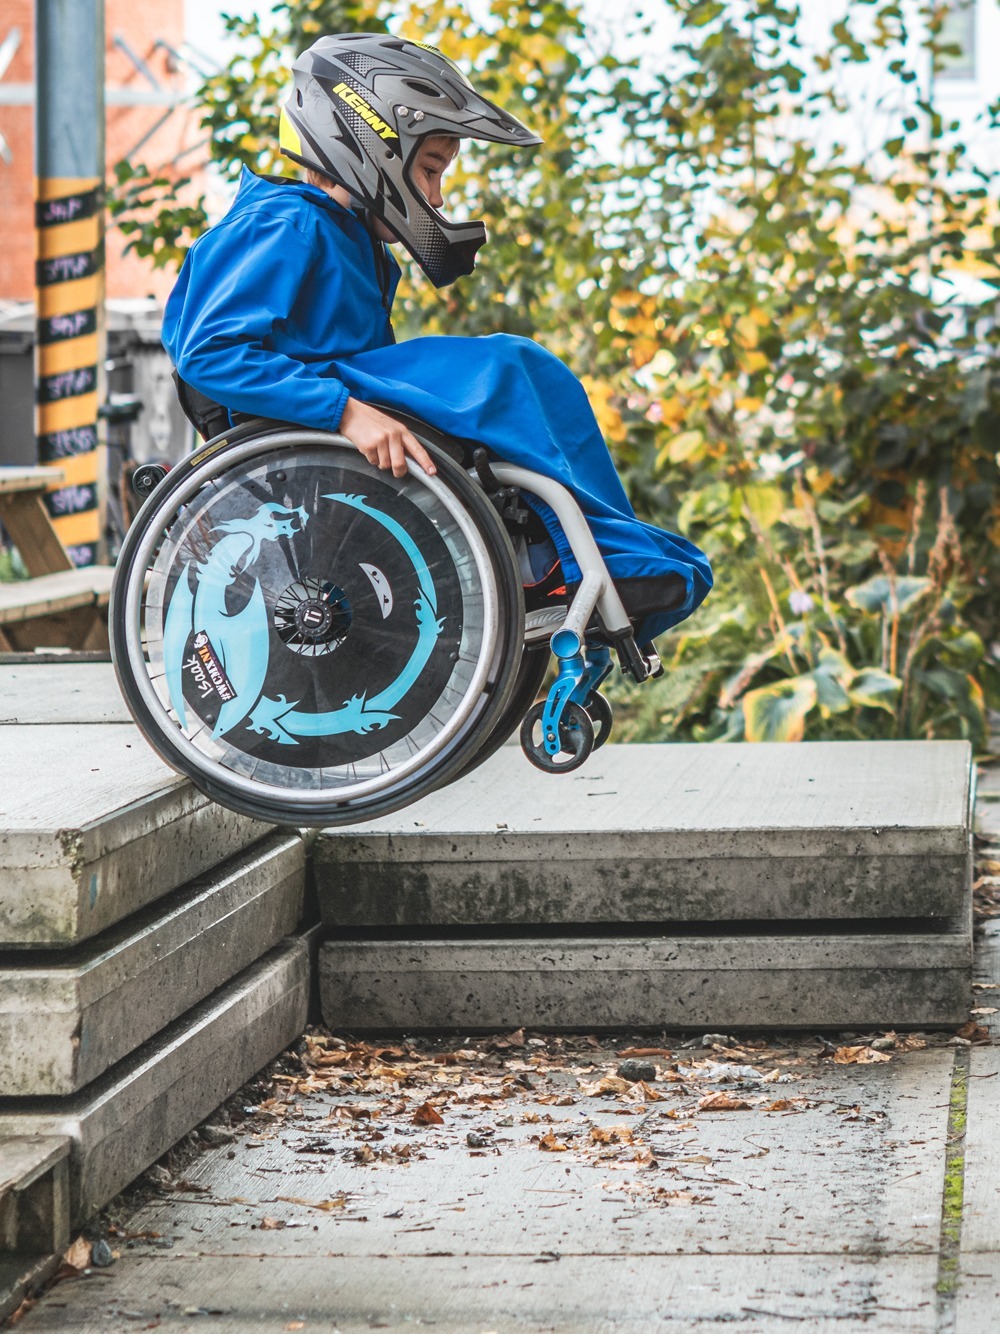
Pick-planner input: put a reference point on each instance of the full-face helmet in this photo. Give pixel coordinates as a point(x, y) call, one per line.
point(360, 105)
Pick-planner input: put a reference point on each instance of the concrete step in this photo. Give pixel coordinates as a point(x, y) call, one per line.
point(824, 831)
point(721, 983)
point(130, 1116)
point(93, 827)
point(60, 692)
point(67, 1016)
point(34, 1213)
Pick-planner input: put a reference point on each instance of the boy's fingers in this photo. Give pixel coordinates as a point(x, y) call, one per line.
point(417, 452)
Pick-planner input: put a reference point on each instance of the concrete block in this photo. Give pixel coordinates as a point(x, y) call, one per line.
point(60, 692)
point(721, 983)
point(34, 1213)
point(94, 826)
point(129, 1117)
point(823, 831)
point(66, 1018)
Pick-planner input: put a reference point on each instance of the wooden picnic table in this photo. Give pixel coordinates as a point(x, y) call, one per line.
point(58, 605)
point(26, 519)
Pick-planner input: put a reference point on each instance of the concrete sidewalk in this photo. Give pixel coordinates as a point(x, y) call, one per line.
point(530, 1182)
point(525, 1184)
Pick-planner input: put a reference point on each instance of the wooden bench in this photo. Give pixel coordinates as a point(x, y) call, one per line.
point(23, 514)
point(64, 610)
point(59, 606)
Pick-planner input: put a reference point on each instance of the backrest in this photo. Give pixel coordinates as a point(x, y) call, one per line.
point(207, 417)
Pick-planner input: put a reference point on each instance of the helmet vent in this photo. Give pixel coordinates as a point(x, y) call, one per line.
point(298, 97)
point(426, 89)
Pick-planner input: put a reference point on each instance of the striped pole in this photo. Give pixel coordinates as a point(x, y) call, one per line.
point(69, 269)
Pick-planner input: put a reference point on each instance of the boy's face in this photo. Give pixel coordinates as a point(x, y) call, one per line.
point(434, 156)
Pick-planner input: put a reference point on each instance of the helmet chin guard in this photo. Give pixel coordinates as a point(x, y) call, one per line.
point(360, 106)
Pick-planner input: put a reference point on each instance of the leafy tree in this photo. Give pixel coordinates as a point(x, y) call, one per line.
point(755, 309)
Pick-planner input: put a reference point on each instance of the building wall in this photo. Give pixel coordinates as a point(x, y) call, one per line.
point(141, 27)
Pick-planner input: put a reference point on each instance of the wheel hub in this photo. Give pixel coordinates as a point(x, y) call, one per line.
point(312, 617)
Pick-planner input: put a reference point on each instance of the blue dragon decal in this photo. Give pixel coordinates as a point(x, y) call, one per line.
point(241, 640)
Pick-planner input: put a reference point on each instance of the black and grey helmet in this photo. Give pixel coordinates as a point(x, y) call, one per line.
point(360, 105)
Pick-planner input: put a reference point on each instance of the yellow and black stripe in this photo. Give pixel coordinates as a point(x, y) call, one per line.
point(69, 279)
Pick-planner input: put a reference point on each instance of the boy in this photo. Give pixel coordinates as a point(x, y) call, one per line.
point(282, 310)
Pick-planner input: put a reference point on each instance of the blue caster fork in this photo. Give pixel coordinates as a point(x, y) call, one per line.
point(562, 731)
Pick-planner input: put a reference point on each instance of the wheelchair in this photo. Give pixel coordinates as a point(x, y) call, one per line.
point(313, 641)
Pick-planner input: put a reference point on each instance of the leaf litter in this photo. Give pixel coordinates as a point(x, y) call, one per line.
point(377, 1106)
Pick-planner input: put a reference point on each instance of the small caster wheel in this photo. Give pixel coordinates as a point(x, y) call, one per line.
point(146, 478)
point(601, 716)
point(576, 737)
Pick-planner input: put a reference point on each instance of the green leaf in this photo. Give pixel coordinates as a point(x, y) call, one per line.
point(765, 503)
point(873, 688)
point(778, 712)
point(875, 594)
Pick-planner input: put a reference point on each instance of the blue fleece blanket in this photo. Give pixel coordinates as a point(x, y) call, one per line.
point(281, 310)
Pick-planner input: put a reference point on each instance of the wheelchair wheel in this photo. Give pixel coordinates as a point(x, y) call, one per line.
point(527, 685)
point(310, 640)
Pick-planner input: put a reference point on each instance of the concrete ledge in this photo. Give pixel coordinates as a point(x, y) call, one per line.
point(34, 1213)
point(657, 834)
point(95, 827)
point(134, 1113)
point(685, 982)
point(60, 692)
point(65, 1021)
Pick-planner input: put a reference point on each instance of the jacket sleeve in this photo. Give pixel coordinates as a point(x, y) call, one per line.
point(236, 288)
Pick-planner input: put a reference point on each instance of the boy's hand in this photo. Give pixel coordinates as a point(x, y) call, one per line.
point(383, 441)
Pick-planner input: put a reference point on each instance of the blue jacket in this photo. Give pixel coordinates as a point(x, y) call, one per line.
point(281, 310)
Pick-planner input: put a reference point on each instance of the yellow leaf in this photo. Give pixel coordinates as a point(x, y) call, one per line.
point(753, 361)
point(685, 448)
point(643, 351)
point(765, 503)
point(746, 331)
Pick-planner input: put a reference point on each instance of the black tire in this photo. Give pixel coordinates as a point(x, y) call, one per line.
point(254, 540)
point(601, 715)
point(576, 737)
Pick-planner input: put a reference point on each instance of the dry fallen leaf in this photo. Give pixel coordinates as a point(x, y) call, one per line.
point(603, 1087)
point(722, 1102)
point(78, 1254)
point(551, 1144)
point(860, 1056)
point(644, 1051)
point(611, 1134)
point(973, 1032)
point(785, 1105)
point(675, 1197)
point(426, 1115)
point(271, 1224)
point(908, 1042)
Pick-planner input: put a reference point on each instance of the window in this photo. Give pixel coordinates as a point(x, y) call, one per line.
point(958, 30)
